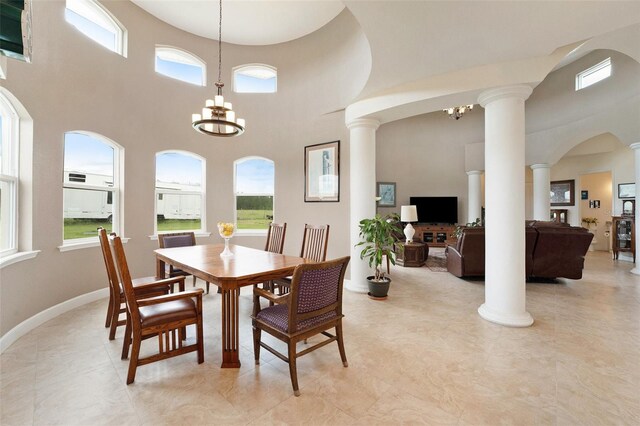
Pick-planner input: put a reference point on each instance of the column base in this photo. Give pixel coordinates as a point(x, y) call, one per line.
point(356, 286)
point(522, 320)
point(635, 271)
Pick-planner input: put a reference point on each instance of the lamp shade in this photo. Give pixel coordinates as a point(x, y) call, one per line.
point(408, 214)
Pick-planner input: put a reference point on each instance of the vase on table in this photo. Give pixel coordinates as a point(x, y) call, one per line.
point(226, 231)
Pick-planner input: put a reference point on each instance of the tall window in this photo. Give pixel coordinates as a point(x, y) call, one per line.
point(594, 74)
point(94, 21)
point(180, 191)
point(91, 185)
point(254, 188)
point(255, 78)
point(181, 65)
point(9, 142)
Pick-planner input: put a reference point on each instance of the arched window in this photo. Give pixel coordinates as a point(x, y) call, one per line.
point(94, 21)
point(254, 189)
point(180, 192)
point(255, 78)
point(9, 176)
point(91, 186)
point(181, 65)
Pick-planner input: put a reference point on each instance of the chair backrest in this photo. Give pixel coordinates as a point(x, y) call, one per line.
point(125, 279)
point(316, 291)
point(275, 237)
point(315, 242)
point(177, 239)
point(112, 275)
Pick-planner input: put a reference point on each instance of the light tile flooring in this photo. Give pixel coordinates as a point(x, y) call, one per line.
point(422, 356)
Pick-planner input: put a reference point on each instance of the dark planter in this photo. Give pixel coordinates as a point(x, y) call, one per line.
point(378, 289)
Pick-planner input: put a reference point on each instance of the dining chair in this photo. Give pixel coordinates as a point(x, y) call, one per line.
point(144, 287)
point(313, 306)
point(178, 239)
point(274, 244)
point(314, 247)
point(162, 316)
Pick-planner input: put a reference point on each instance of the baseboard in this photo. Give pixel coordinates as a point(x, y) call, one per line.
point(48, 314)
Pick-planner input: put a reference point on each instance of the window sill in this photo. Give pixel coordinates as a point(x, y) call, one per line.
point(251, 233)
point(17, 257)
point(198, 235)
point(83, 245)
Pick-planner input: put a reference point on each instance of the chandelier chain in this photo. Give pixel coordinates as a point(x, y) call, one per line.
point(220, 46)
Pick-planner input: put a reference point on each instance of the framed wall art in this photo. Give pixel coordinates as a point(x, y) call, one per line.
point(386, 191)
point(322, 172)
point(563, 193)
point(626, 190)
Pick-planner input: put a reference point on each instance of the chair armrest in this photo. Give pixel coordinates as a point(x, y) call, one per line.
point(187, 294)
point(166, 281)
point(270, 296)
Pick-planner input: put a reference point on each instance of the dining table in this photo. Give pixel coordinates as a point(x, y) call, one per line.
point(245, 266)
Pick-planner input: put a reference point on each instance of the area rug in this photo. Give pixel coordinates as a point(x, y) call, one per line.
point(437, 261)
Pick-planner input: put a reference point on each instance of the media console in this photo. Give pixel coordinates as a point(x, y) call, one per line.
point(434, 235)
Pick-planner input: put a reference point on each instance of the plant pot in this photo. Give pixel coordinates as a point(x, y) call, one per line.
point(378, 289)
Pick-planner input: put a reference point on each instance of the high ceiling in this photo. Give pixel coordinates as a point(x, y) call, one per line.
point(245, 22)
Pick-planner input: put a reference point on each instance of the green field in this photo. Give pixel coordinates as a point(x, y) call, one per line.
point(84, 228)
point(254, 219)
point(178, 224)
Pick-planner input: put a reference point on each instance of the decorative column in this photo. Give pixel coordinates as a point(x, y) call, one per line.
point(475, 195)
point(505, 292)
point(541, 190)
point(362, 178)
point(636, 148)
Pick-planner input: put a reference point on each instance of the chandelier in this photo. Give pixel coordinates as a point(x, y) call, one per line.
point(218, 117)
point(457, 112)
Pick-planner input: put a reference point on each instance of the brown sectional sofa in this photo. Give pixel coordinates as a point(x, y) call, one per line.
point(552, 250)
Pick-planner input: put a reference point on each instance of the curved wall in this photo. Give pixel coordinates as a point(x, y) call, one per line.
point(75, 84)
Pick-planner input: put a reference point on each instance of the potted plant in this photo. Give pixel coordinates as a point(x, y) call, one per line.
point(380, 234)
point(590, 221)
point(458, 231)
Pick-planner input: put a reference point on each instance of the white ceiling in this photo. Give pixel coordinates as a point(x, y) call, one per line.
point(248, 22)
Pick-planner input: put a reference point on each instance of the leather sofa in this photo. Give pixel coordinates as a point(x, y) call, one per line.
point(551, 250)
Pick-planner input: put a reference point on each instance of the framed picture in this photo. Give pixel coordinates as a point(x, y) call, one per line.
point(322, 172)
point(387, 193)
point(584, 195)
point(626, 190)
point(563, 193)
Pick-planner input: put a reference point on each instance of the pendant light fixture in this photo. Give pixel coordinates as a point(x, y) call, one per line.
point(218, 117)
point(457, 112)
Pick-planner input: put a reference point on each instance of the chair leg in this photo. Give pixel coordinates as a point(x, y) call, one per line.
point(343, 355)
point(127, 339)
point(293, 371)
point(208, 283)
point(107, 322)
point(200, 339)
point(115, 315)
point(194, 280)
point(133, 362)
point(256, 344)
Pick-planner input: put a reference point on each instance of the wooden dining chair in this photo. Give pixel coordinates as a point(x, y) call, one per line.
point(274, 244)
point(144, 287)
point(315, 241)
point(178, 239)
point(313, 306)
point(162, 316)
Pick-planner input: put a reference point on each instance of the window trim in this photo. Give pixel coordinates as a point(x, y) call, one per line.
point(116, 188)
point(121, 33)
point(203, 194)
point(251, 232)
point(592, 70)
point(189, 58)
point(239, 68)
point(11, 132)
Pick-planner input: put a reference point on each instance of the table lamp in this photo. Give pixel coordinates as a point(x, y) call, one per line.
point(409, 214)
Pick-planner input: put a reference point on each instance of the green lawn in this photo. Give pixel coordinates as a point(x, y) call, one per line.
point(254, 219)
point(84, 228)
point(178, 224)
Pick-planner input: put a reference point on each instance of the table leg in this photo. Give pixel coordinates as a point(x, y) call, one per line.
point(230, 340)
point(160, 268)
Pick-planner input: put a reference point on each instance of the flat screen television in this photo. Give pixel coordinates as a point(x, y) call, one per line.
point(436, 209)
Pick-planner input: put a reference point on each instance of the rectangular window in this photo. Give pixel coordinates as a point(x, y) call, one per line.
point(178, 212)
point(84, 211)
point(76, 177)
point(254, 211)
point(594, 74)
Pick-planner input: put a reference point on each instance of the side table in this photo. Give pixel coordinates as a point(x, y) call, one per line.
point(413, 254)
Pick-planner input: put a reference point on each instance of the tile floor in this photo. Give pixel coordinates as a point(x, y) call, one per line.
point(424, 356)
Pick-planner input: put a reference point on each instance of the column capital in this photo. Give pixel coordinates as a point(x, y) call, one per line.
point(540, 166)
point(474, 172)
point(520, 91)
point(635, 145)
point(363, 122)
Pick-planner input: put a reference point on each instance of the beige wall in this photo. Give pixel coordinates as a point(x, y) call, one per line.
point(599, 187)
point(75, 84)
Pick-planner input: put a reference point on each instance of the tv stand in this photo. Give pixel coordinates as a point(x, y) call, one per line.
point(434, 235)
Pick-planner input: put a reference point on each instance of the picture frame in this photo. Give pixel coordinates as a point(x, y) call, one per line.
point(386, 192)
point(322, 172)
point(584, 195)
point(626, 190)
point(563, 192)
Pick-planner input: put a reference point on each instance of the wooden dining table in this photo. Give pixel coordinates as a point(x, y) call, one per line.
point(247, 266)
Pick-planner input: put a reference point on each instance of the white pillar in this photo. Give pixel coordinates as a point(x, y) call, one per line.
point(541, 190)
point(362, 177)
point(505, 292)
point(475, 195)
point(636, 148)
